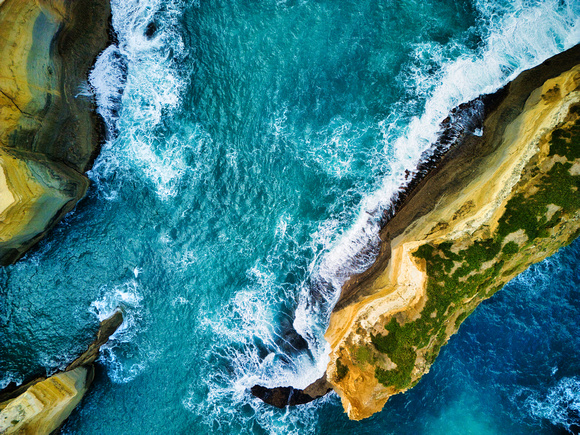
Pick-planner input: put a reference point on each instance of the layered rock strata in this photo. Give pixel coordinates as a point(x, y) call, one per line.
point(491, 207)
point(49, 133)
point(43, 404)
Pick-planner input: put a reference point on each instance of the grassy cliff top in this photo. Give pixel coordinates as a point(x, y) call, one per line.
point(494, 205)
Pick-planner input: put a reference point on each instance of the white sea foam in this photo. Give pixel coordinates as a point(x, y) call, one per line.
point(248, 351)
point(146, 68)
point(108, 79)
point(124, 361)
point(560, 405)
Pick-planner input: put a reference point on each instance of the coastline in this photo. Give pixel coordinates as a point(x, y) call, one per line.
point(50, 133)
point(394, 288)
point(395, 285)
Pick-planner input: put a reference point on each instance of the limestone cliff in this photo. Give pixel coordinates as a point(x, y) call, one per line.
point(494, 205)
point(49, 133)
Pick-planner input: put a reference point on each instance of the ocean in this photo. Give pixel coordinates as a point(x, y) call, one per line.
point(252, 149)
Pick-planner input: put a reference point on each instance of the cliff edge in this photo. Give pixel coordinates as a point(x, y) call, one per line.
point(49, 132)
point(494, 205)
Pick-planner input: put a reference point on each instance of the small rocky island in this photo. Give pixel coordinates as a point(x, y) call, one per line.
point(502, 195)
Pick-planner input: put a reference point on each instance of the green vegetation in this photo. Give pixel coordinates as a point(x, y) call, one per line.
point(341, 370)
point(510, 248)
point(469, 284)
point(446, 294)
point(398, 344)
point(567, 142)
point(363, 354)
point(558, 187)
point(462, 317)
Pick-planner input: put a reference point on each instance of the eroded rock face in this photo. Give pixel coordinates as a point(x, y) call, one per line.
point(35, 193)
point(493, 206)
point(43, 404)
point(49, 133)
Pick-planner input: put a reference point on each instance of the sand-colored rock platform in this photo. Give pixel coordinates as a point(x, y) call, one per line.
point(49, 132)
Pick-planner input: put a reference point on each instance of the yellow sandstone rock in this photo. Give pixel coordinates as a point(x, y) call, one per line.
point(45, 405)
point(490, 209)
point(33, 191)
point(49, 133)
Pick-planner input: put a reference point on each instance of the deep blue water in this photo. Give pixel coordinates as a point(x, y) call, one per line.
point(252, 147)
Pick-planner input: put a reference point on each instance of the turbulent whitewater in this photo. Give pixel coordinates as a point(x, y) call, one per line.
point(252, 151)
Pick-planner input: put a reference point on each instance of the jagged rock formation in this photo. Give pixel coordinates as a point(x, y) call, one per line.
point(41, 405)
point(290, 396)
point(49, 132)
point(494, 205)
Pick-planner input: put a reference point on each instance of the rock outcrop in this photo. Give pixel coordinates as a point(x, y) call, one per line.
point(281, 397)
point(47, 404)
point(41, 405)
point(491, 207)
point(49, 132)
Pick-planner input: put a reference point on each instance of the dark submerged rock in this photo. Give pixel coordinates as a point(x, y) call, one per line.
point(290, 396)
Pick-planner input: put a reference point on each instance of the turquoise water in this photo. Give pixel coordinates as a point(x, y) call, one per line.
point(253, 147)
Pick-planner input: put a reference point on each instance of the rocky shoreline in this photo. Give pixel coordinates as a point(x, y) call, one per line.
point(50, 133)
point(478, 211)
point(493, 206)
point(41, 405)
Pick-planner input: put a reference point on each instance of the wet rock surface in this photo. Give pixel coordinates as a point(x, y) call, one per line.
point(290, 396)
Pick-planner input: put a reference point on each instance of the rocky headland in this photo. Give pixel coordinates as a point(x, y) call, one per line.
point(494, 204)
point(49, 131)
point(497, 193)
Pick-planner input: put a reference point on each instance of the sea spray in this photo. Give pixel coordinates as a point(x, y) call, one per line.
point(123, 359)
point(560, 405)
point(108, 78)
point(537, 31)
point(140, 77)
